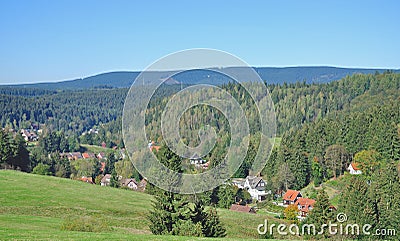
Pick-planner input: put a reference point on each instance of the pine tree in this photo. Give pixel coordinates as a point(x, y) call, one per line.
point(4, 147)
point(21, 155)
point(161, 221)
point(357, 202)
point(167, 157)
point(226, 196)
point(110, 161)
point(13, 152)
point(317, 172)
point(387, 197)
point(114, 180)
point(394, 134)
point(213, 226)
point(321, 213)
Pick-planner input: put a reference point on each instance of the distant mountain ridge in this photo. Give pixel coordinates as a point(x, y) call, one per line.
point(124, 79)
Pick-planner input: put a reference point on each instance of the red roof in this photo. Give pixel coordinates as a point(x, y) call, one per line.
point(332, 208)
point(305, 204)
point(241, 208)
point(291, 195)
point(305, 201)
point(103, 166)
point(85, 155)
point(355, 166)
point(155, 147)
point(87, 179)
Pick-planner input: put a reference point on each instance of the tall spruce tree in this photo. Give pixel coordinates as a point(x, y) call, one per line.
point(321, 213)
point(386, 190)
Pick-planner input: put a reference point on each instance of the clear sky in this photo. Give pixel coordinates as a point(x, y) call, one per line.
point(56, 40)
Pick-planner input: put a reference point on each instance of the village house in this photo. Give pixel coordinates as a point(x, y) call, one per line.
point(101, 155)
point(87, 179)
point(291, 197)
point(105, 181)
point(354, 169)
point(75, 155)
point(102, 166)
point(305, 205)
point(152, 146)
point(254, 185)
point(199, 162)
point(142, 185)
point(93, 131)
point(241, 208)
point(29, 135)
point(129, 183)
point(195, 159)
point(87, 155)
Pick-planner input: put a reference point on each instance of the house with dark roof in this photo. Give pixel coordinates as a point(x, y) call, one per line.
point(291, 197)
point(29, 135)
point(354, 169)
point(76, 155)
point(241, 208)
point(129, 183)
point(256, 186)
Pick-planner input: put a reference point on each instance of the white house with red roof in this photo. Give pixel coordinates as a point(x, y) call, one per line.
point(354, 169)
point(305, 205)
point(291, 197)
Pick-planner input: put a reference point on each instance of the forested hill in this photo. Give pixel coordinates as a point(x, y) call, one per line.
point(270, 74)
point(295, 104)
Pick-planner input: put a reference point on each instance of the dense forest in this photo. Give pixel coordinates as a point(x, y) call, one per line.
point(295, 104)
point(356, 113)
point(322, 128)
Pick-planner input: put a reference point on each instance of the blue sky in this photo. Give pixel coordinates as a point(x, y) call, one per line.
point(57, 40)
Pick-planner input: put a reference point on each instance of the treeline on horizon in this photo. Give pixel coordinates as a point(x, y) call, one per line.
point(295, 104)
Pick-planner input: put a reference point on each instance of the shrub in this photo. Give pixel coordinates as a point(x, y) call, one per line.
point(42, 169)
point(187, 228)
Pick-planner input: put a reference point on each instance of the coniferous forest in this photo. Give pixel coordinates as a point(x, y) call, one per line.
point(321, 129)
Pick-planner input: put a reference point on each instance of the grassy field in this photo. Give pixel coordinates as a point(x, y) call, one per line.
point(95, 149)
point(35, 207)
point(333, 188)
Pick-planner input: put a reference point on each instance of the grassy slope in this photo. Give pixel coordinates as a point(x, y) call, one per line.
point(95, 149)
point(333, 188)
point(34, 207)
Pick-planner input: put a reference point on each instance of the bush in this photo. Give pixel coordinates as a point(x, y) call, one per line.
point(187, 228)
point(85, 224)
point(42, 169)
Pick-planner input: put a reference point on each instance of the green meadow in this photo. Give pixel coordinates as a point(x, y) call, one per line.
point(34, 207)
